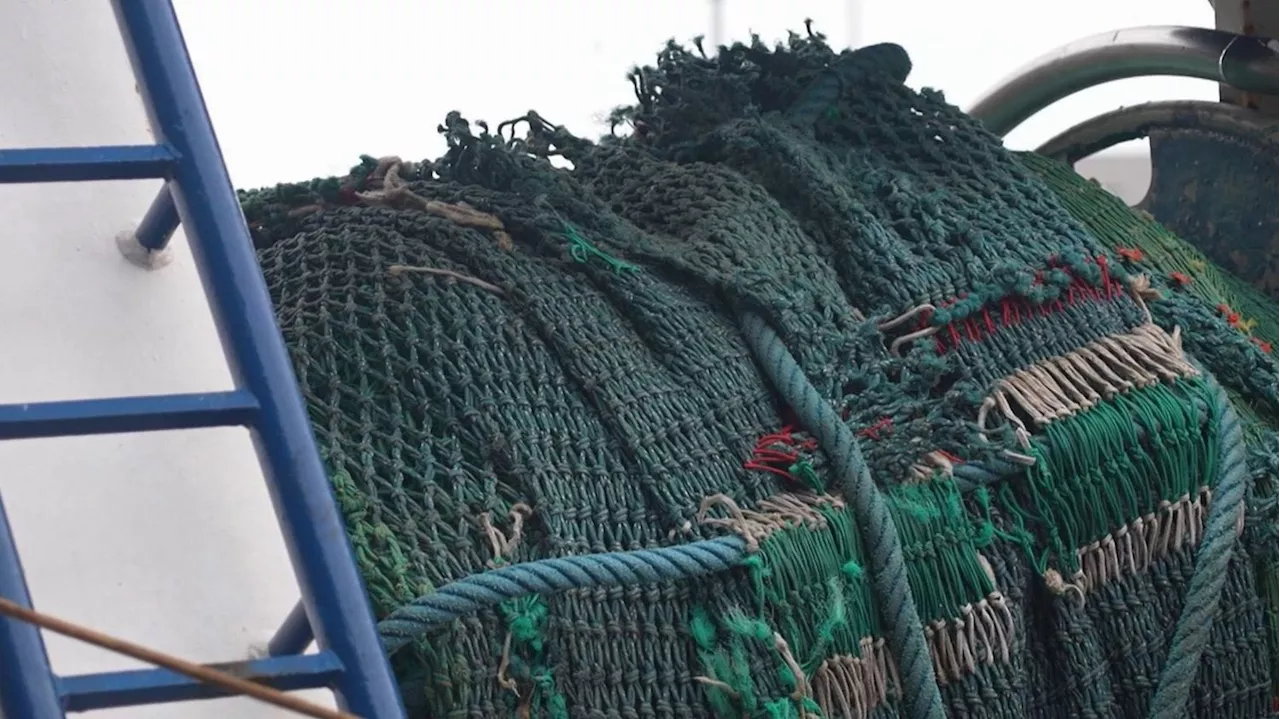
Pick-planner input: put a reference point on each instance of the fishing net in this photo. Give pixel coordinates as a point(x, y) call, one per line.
point(800, 396)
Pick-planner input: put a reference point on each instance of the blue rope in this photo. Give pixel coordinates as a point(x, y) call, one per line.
point(921, 696)
point(1216, 547)
point(471, 594)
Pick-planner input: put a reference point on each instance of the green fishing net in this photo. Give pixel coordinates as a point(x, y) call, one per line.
point(538, 349)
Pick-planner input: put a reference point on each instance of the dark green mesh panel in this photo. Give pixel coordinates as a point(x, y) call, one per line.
point(506, 362)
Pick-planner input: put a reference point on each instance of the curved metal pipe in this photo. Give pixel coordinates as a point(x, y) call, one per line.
point(1130, 123)
point(1246, 63)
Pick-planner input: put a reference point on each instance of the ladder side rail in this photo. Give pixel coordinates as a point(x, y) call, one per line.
point(28, 687)
point(314, 534)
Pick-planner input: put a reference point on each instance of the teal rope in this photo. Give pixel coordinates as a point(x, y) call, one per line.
point(546, 576)
point(1214, 554)
point(970, 476)
point(921, 697)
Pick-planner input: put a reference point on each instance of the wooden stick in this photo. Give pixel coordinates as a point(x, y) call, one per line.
point(233, 684)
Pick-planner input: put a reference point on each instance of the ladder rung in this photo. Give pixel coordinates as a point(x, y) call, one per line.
point(83, 164)
point(121, 415)
point(88, 692)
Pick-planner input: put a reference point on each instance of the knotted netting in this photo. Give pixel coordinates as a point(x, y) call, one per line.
point(802, 397)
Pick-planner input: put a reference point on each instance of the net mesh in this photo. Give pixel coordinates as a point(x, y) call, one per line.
point(506, 361)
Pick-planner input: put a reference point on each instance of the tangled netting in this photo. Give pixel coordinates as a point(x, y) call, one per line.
point(795, 396)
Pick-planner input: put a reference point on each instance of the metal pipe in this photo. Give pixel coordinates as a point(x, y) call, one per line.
point(717, 24)
point(1131, 123)
point(160, 222)
point(853, 20)
point(294, 635)
point(1243, 62)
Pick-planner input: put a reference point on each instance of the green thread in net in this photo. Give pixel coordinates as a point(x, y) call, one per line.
point(806, 573)
point(1231, 326)
point(1100, 470)
point(583, 251)
point(940, 539)
point(526, 620)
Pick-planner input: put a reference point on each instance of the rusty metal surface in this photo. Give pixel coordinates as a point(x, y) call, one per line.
point(1214, 170)
point(1219, 192)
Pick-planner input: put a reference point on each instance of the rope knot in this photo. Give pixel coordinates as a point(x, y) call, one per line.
point(1061, 587)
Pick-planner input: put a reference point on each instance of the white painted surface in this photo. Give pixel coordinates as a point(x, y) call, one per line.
point(164, 539)
point(168, 539)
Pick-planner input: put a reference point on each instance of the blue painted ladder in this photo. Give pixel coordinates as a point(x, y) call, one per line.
point(199, 195)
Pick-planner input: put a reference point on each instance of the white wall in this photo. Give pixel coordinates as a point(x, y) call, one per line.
point(164, 539)
point(168, 539)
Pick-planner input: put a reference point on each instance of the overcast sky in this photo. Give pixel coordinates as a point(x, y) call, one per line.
point(301, 88)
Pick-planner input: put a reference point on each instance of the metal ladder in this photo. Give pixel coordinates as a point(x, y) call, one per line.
point(198, 194)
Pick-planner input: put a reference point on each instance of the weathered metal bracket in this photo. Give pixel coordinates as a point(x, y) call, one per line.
point(1214, 169)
